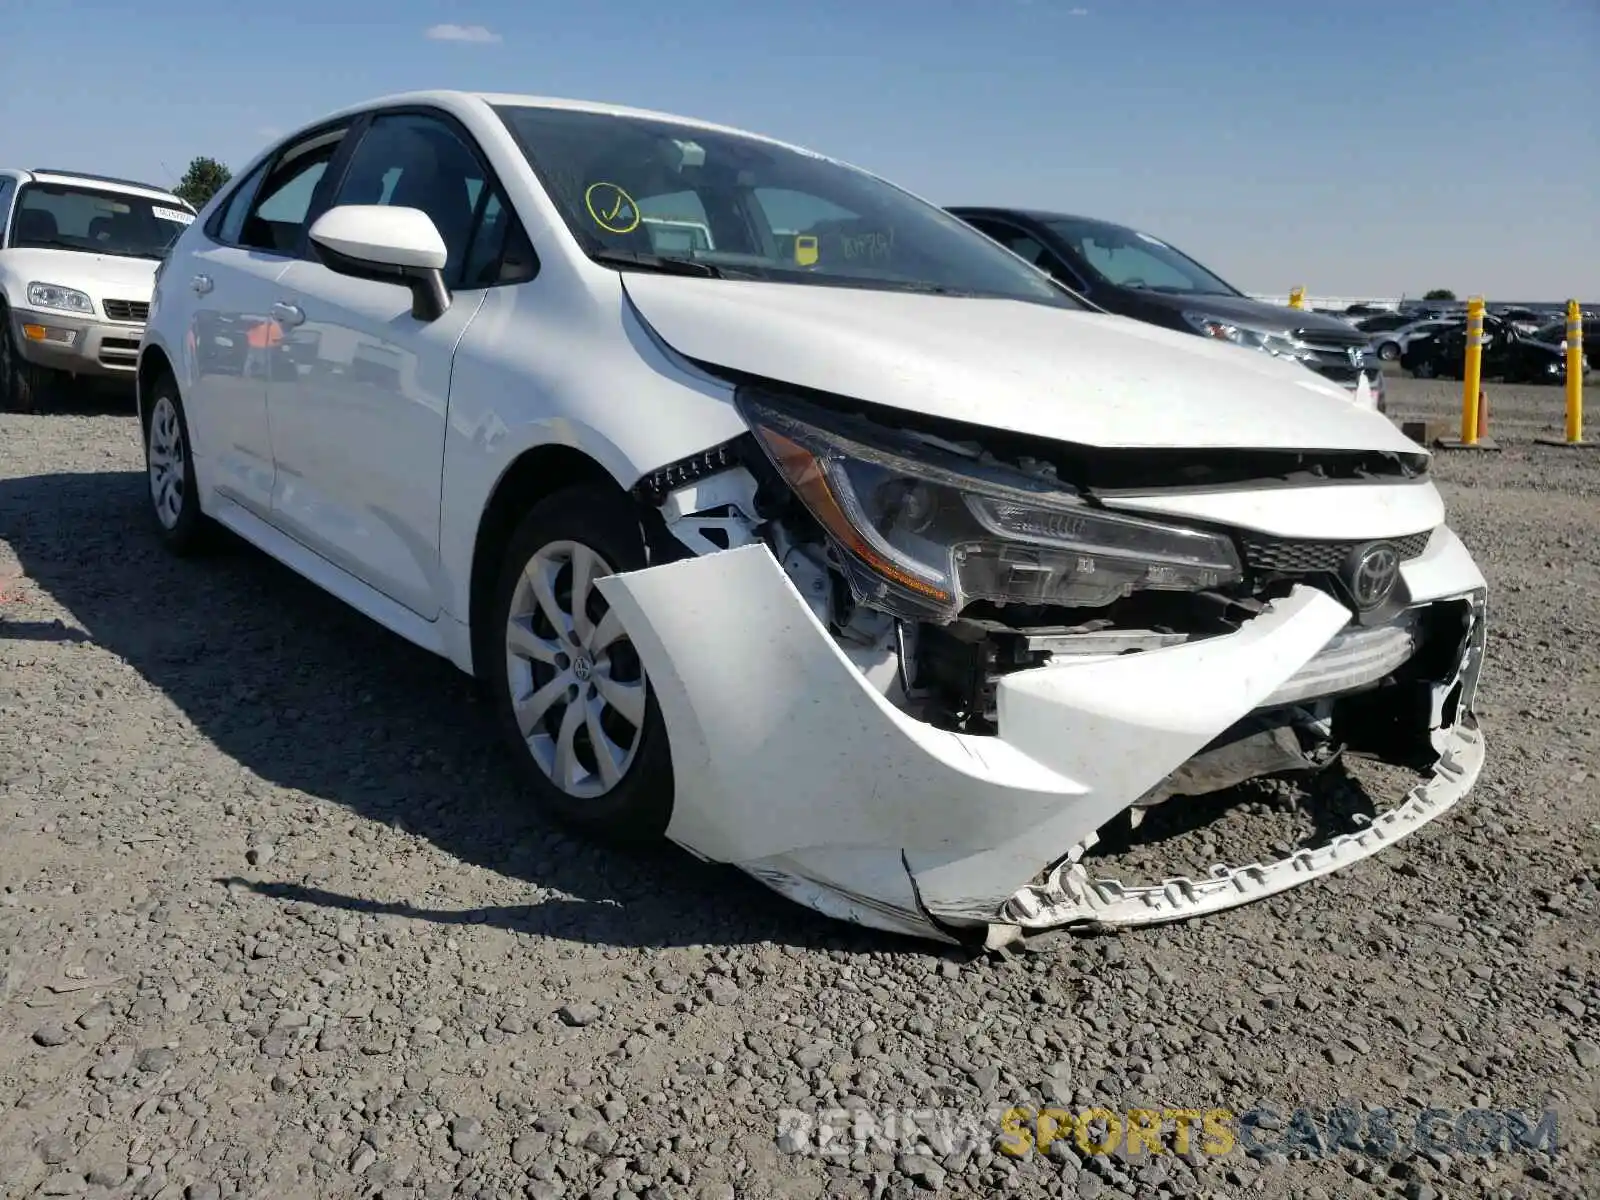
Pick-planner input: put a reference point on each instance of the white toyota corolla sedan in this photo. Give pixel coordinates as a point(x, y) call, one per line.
point(788, 517)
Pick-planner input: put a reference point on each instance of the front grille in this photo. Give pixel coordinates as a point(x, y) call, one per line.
point(119, 352)
point(1291, 556)
point(1328, 353)
point(127, 310)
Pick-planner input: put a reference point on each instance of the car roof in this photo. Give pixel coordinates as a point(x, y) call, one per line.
point(454, 99)
point(105, 183)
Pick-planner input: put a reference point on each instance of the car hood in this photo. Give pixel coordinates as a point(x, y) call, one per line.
point(1072, 376)
point(1257, 313)
point(103, 276)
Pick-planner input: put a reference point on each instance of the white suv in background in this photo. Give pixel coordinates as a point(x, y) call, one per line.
point(78, 256)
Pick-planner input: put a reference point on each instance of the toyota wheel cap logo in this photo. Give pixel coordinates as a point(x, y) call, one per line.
point(1372, 574)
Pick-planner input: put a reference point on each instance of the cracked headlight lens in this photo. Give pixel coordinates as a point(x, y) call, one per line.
point(922, 534)
point(1277, 342)
point(63, 299)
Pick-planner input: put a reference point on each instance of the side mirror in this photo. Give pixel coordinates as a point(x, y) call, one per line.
point(388, 245)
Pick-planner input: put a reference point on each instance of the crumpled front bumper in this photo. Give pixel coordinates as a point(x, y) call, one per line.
point(791, 765)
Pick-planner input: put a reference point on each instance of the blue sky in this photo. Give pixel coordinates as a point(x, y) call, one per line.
point(1361, 147)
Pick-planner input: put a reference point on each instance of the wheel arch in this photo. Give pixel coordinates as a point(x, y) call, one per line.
point(153, 363)
point(536, 473)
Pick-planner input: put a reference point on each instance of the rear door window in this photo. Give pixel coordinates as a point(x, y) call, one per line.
point(276, 218)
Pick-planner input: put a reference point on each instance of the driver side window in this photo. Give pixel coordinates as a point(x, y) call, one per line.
point(412, 160)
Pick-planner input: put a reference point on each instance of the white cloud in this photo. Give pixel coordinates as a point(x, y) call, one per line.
point(463, 33)
point(1078, 12)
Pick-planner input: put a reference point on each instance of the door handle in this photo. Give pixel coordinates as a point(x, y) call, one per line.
point(288, 314)
point(201, 284)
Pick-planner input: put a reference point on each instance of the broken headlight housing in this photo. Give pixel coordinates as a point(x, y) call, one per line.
point(924, 532)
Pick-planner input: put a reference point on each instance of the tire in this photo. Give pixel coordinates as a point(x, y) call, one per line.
point(24, 386)
point(632, 803)
point(1424, 369)
point(169, 472)
point(1389, 351)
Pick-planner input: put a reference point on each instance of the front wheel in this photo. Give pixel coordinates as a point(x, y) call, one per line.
point(1424, 369)
point(24, 386)
point(570, 692)
point(169, 465)
point(1389, 351)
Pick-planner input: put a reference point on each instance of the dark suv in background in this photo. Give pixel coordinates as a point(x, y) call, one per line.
point(1135, 275)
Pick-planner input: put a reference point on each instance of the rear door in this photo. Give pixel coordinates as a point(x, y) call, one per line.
point(236, 343)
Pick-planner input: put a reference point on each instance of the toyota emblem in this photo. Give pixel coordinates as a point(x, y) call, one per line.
point(1372, 574)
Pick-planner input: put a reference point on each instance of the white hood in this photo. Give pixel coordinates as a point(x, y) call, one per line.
point(103, 276)
point(1071, 376)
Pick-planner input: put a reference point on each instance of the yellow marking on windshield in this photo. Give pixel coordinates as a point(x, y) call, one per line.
point(611, 207)
point(805, 250)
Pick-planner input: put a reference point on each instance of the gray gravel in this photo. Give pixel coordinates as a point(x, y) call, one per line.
point(274, 924)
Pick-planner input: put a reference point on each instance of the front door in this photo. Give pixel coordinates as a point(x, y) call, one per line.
point(358, 427)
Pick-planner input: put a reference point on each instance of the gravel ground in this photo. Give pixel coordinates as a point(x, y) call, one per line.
point(273, 923)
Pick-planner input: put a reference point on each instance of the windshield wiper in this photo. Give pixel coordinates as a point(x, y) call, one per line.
point(655, 262)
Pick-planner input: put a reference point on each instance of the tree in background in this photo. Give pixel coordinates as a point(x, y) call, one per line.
point(204, 178)
point(1434, 294)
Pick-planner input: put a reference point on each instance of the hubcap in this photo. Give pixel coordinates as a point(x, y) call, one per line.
point(577, 685)
point(166, 462)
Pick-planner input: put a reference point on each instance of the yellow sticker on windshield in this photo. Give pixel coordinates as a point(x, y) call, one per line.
point(612, 208)
point(805, 250)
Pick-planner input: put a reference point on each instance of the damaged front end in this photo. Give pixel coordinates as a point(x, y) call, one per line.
point(911, 675)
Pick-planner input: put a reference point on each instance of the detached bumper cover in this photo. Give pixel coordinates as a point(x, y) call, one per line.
point(790, 765)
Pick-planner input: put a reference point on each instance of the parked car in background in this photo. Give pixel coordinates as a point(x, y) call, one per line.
point(1554, 333)
point(865, 558)
point(1384, 321)
point(1390, 346)
point(1136, 275)
point(1507, 355)
point(78, 256)
point(1523, 320)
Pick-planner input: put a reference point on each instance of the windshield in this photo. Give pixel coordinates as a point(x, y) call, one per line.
point(655, 194)
point(1127, 258)
point(58, 216)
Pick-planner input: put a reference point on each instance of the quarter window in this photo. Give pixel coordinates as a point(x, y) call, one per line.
point(500, 251)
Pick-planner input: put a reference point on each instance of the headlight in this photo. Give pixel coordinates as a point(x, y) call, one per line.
point(53, 295)
point(922, 534)
point(1274, 341)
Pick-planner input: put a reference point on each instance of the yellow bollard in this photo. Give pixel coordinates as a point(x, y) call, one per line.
point(1472, 374)
point(1574, 373)
point(1297, 297)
